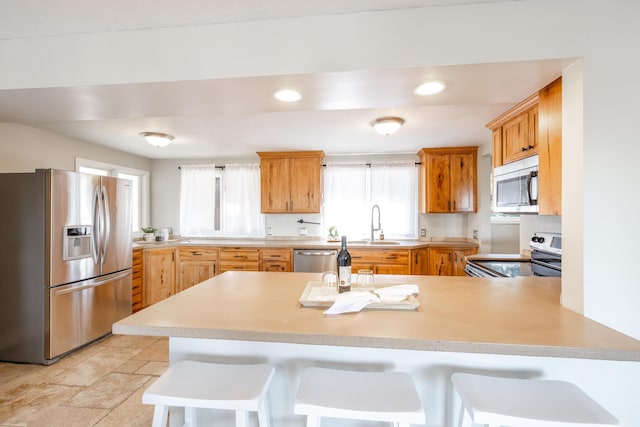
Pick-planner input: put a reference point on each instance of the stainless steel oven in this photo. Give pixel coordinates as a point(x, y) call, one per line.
point(546, 254)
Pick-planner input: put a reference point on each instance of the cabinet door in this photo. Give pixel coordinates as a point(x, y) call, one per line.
point(496, 142)
point(550, 134)
point(515, 138)
point(136, 280)
point(276, 266)
point(391, 269)
point(439, 261)
point(305, 184)
point(459, 262)
point(159, 275)
point(438, 183)
point(419, 261)
point(194, 272)
point(274, 185)
point(463, 182)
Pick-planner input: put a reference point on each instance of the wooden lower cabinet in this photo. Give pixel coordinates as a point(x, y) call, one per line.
point(136, 280)
point(196, 264)
point(419, 261)
point(394, 261)
point(159, 274)
point(279, 260)
point(447, 261)
point(244, 259)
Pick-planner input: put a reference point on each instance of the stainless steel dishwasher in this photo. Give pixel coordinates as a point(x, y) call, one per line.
point(315, 260)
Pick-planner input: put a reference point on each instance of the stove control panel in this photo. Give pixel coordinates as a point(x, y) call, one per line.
point(547, 242)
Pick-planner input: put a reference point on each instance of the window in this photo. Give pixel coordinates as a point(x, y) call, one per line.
point(216, 201)
point(351, 190)
point(140, 187)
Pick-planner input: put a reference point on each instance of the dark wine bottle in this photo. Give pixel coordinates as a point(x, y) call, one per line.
point(344, 268)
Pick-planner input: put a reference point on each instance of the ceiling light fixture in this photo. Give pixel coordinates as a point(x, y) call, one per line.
point(287, 95)
point(429, 88)
point(157, 139)
point(387, 125)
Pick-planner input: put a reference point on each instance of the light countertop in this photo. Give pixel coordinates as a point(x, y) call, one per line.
point(516, 316)
point(312, 244)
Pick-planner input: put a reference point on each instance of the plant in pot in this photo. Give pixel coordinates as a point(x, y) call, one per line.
point(149, 234)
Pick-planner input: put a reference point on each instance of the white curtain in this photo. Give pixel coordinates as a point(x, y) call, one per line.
point(345, 199)
point(394, 188)
point(197, 200)
point(242, 215)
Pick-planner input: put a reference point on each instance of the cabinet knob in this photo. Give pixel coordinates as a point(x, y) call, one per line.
point(523, 149)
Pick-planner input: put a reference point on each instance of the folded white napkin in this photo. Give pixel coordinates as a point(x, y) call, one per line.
point(396, 293)
point(351, 302)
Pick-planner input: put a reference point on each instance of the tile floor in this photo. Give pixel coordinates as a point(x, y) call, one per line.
point(100, 385)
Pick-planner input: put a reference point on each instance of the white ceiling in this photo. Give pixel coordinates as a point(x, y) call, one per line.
point(237, 117)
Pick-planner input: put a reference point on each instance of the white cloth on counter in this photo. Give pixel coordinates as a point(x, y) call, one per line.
point(352, 302)
point(396, 293)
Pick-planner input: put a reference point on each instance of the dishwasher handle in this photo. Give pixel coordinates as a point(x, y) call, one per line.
point(310, 252)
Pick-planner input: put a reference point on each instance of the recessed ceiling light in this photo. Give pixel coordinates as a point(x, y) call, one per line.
point(287, 95)
point(429, 88)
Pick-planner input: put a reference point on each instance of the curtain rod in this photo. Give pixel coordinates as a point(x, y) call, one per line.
point(369, 164)
point(217, 167)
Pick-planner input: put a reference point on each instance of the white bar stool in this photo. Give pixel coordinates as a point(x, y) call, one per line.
point(526, 403)
point(191, 384)
point(370, 396)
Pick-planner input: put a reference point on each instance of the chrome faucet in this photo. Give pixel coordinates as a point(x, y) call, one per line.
point(373, 229)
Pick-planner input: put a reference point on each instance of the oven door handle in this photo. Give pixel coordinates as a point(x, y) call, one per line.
point(532, 186)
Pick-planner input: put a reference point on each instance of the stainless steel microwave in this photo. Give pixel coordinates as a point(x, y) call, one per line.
point(515, 186)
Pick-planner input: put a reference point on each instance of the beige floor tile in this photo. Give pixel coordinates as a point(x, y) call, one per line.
point(109, 391)
point(131, 341)
point(14, 377)
point(130, 366)
point(157, 352)
point(95, 367)
point(32, 400)
point(65, 416)
point(153, 368)
point(131, 412)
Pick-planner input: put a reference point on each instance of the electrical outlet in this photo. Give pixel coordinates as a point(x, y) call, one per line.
point(302, 231)
point(475, 234)
point(269, 231)
point(423, 232)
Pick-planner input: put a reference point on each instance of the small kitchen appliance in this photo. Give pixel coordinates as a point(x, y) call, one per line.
point(515, 186)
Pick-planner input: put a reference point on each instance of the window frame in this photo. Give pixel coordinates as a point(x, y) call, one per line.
point(113, 170)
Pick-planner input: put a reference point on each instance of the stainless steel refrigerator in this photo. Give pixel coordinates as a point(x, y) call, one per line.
point(65, 261)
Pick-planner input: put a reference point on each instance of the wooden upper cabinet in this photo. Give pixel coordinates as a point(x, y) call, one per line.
point(448, 180)
point(291, 182)
point(515, 133)
point(550, 152)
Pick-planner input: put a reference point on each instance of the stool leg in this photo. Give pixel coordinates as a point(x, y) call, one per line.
point(313, 421)
point(160, 413)
point(242, 418)
point(263, 414)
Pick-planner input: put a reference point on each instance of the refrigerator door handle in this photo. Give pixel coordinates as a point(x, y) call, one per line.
point(66, 289)
point(97, 241)
point(106, 230)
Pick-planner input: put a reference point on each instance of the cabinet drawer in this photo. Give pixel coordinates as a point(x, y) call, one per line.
point(240, 255)
point(276, 254)
point(239, 266)
point(378, 256)
point(136, 258)
point(199, 253)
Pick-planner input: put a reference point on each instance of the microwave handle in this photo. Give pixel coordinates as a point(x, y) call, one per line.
point(532, 181)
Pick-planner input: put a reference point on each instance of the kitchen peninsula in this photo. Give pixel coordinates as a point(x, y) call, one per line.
point(511, 327)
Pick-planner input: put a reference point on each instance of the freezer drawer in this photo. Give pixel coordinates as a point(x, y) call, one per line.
point(84, 311)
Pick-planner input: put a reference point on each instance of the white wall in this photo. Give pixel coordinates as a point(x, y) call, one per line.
point(602, 32)
point(24, 149)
